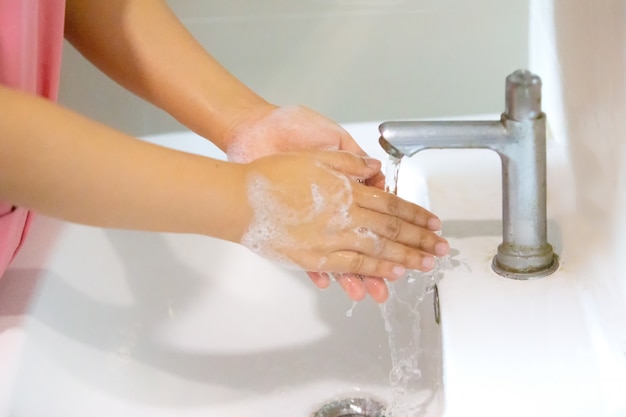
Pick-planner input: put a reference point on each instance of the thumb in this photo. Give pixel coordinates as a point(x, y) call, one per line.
point(348, 144)
point(350, 164)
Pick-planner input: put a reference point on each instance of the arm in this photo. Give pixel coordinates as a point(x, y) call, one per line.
point(64, 165)
point(142, 45)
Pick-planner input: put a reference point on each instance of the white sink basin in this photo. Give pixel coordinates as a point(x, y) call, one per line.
point(524, 348)
point(105, 322)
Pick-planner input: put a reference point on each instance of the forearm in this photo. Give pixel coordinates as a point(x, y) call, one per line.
point(61, 164)
point(142, 45)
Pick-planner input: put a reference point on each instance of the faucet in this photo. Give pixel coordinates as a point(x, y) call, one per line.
point(519, 138)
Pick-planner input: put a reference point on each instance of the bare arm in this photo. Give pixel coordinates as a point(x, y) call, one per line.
point(142, 45)
point(64, 165)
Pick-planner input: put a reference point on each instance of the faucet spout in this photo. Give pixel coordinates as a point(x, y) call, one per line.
point(519, 138)
point(408, 138)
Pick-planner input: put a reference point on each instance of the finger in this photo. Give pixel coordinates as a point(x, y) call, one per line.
point(347, 143)
point(349, 164)
point(383, 202)
point(380, 248)
point(320, 279)
point(395, 229)
point(377, 181)
point(361, 264)
point(352, 285)
point(377, 289)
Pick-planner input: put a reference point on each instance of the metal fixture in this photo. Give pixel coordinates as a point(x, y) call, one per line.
point(436, 305)
point(519, 137)
point(351, 407)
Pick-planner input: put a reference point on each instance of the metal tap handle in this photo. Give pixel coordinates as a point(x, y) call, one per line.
point(523, 96)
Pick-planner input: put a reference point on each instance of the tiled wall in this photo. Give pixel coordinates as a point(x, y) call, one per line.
point(353, 60)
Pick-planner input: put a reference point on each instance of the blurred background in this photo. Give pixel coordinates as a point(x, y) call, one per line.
point(352, 60)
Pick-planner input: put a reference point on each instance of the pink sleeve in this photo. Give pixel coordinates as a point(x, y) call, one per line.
point(31, 41)
point(14, 222)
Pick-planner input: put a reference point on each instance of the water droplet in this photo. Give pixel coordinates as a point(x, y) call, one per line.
point(351, 309)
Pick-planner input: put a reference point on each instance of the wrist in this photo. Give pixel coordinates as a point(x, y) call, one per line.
point(223, 109)
point(246, 114)
point(224, 211)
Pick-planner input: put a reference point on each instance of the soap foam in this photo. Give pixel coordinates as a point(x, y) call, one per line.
point(285, 129)
point(321, 264)
point(364, 232)
point(265, 235)
point(269, 232)
point(318, 199)
point(342, 198)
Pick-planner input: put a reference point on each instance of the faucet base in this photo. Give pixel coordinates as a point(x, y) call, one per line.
point(525, 274)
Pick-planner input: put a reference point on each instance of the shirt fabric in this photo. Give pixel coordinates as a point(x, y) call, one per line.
point(31, 41)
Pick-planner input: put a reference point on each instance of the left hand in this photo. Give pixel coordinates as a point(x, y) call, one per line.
point(269, 130)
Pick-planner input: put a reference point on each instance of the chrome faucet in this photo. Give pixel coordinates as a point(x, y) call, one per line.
point(519, 137)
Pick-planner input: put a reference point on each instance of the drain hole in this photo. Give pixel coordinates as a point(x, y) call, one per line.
point(352, 407)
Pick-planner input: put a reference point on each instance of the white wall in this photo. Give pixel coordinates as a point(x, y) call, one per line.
point(580, 48)
point(353, 60)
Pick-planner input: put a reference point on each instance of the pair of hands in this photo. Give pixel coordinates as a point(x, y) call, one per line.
point(318, 202)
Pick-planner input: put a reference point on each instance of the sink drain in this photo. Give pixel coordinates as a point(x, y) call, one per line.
point(351, 407)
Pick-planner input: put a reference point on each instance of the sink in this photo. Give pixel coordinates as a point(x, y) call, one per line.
point(110, 322)
point(524, 348)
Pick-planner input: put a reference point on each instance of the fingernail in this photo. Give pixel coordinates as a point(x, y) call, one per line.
point(428, 263)
point(371, 162)
point(442, 248)
point(434, 224)
point(398, 271)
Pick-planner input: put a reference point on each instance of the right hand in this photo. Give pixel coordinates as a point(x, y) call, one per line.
point(309, 210)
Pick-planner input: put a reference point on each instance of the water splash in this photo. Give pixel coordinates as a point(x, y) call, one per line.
point(391, 174)
point(351, 309)
point(410, 396)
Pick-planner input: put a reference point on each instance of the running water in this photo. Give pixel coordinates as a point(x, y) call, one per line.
point(410, 396)
point(391, 174)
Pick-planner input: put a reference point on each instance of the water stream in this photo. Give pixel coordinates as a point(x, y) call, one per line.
point(411, 394)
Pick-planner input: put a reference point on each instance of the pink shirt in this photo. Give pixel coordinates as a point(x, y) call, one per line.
point(31, 40)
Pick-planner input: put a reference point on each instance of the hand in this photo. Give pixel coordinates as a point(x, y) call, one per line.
point(309, 211)
point(269, 129)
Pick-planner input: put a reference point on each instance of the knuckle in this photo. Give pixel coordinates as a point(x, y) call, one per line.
point(394, 228)
point(393, 205)
point(427, 241)
point(409, 257)
point(345, 159)
point(381, 247)
point(356, 262)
